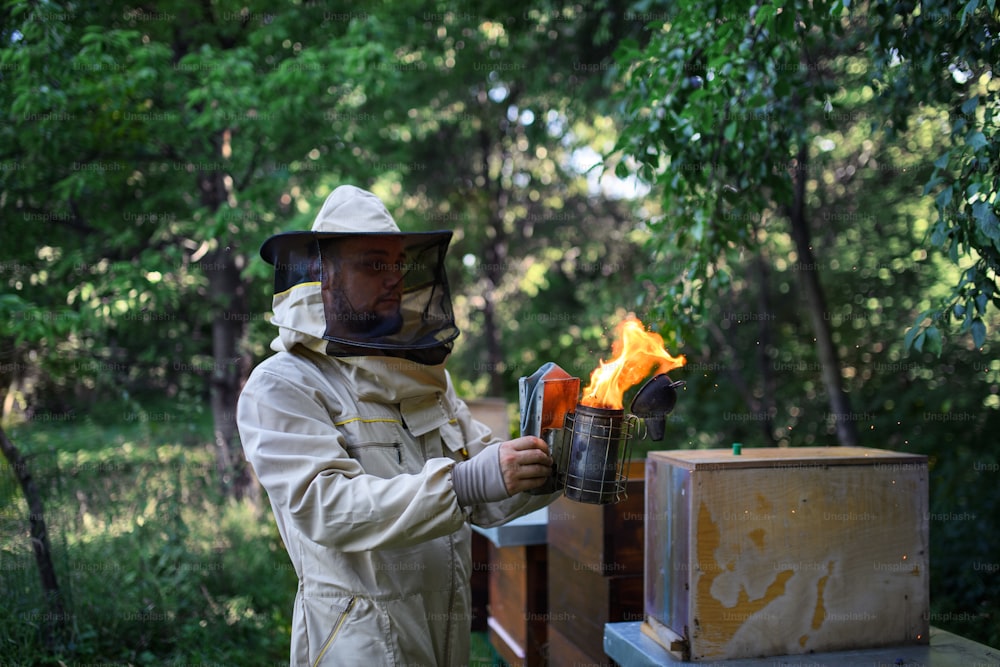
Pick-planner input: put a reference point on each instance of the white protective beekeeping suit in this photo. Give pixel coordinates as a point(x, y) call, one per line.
point(357, 435)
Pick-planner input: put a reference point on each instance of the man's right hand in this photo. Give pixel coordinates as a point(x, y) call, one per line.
point(501, 470)
point(525, 463)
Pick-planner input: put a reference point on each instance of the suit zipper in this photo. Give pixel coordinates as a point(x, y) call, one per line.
point(341, 619)
point(449, 625)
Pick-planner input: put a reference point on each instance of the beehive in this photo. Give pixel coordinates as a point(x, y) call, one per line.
point(782, 551)
point(595, 572)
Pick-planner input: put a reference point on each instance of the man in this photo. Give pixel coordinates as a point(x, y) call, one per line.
point(373, 466)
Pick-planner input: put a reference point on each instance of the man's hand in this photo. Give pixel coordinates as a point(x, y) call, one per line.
point(501, 470)
point(525, 463)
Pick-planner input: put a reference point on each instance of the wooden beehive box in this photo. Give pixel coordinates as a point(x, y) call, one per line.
point(518, 603)
point(603, 538)
point(595, 561)
point(782, 551)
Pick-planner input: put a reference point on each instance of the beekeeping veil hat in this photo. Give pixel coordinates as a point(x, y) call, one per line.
point(353, 240)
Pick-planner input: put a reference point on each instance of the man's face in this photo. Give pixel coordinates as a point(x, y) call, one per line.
point(363, 286)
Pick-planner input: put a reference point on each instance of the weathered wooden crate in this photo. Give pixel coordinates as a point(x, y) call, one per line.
point(603, 538)
point(518, 603)
point(581, 601)
point(494, 413)
point(595, 561)
point(782, 551)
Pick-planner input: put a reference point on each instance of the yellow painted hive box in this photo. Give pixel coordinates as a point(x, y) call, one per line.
point(783, 551)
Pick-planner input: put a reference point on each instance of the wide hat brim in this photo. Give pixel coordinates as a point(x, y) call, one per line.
point(296, 244)
point(348, 212)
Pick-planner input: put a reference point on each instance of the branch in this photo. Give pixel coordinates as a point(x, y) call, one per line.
point(739, 383)
point(250, 169)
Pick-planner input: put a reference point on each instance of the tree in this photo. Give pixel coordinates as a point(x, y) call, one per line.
point(149, 152)
point(730, 100)
point(942, 55)
point(477, 141)
point(55, 630)
point(722, 110)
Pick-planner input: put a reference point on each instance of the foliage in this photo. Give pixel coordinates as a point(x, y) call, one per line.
point(943, 55)
point(725, 104)
point(149, 153)
point(155, 563)
point(716, 127)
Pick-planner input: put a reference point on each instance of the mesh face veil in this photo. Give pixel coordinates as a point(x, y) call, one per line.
point(355, 285)
point(382, 293)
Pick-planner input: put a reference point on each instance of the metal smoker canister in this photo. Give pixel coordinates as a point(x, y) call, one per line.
point(597, 450)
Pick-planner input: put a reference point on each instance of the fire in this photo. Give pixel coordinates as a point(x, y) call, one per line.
point(635, 354)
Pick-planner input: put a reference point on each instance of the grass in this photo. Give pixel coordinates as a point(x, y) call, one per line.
point(482, 653)
point(156, 567)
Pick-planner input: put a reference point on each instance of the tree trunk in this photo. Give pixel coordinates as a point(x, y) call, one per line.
point(227, 297)
point(494, 267)
point(808, 272)
point(768, 406)
point(739, 382)
point(228, 325)
point(55, 627)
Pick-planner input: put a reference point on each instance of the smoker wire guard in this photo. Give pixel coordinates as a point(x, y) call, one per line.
point(591, 454)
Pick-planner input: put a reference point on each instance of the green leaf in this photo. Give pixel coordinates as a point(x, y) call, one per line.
point(978, 332)
point(969, 10)
point(93, 35)
point(943, 198)
point(981, 300)
point(730, 132)
point(987, 220)
point(969, 106)
point(942, 162)
point(934, 340)
point(765, 14)
point(785, 23)
point(976, 140)
point(931, 184)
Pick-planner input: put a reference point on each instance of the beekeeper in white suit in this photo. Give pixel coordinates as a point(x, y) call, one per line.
point(373, 466)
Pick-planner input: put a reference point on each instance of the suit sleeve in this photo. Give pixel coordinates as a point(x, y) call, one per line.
point(478, 436)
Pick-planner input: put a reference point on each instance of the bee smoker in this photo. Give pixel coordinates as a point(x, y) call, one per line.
point(596, 471)
point(590, 446)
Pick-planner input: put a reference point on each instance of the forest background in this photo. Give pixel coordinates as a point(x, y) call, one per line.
point(800, 197)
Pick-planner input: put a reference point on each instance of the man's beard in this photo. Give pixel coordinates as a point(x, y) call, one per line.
point(362, 325)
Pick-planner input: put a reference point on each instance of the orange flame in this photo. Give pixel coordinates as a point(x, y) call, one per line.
point(635, 354)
